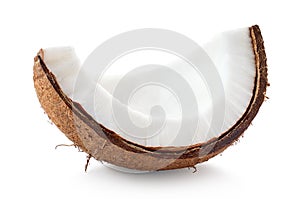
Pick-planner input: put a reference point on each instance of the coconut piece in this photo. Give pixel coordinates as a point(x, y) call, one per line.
point(54, 72)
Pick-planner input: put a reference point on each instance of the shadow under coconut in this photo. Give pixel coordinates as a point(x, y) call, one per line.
point(203, 173)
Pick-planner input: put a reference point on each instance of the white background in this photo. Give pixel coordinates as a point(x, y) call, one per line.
point(264, 164)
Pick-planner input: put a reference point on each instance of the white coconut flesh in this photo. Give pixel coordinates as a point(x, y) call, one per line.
point(233, 57)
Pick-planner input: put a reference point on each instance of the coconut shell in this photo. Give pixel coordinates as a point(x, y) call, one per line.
point(105, 145)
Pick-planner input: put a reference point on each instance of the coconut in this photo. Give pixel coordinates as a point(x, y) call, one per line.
point(240, 60)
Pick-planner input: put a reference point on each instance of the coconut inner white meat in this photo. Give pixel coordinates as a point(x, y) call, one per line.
point(154, 109)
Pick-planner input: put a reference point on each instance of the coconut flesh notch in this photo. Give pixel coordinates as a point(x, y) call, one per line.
point(154, 127)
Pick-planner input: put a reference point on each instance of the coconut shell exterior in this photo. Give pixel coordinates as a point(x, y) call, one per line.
point(105, 145)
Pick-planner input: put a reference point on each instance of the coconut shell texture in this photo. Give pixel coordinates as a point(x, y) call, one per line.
point(105, 145)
